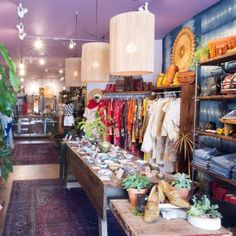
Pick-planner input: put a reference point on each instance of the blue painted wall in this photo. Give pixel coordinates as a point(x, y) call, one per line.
point(215, 22)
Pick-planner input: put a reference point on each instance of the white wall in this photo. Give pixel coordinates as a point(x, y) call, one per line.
point(31, 87)
point(147, 78)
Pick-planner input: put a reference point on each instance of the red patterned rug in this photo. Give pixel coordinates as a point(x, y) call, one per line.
point(46, 208)
point(36, 154)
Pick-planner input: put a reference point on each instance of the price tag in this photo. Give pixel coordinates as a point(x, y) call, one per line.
point(119, 173)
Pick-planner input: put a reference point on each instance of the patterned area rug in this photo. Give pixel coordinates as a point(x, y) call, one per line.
point(36, 154)
point(45, 208)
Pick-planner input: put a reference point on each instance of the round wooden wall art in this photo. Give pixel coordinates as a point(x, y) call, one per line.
point(183, 49)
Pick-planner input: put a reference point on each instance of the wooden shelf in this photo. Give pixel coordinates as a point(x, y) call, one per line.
point(215, 175)
point(217, 97)
point(220, 59)
point(168, 87)
point(228, 138)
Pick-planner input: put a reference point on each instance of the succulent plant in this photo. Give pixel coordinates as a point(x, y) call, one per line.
point(136, 181)
point(203, 207)
point(181, 180)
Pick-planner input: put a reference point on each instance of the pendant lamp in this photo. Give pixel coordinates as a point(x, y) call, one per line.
point(73, 72)
point(132, 37)
point(95, 62)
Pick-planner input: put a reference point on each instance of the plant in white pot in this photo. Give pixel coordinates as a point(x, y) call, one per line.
point(136, 184)
point(204, 215)
point(182, 183)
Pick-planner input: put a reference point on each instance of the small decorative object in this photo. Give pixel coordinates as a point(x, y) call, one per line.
point(201, 54)
point(152, 211)
point(160, 79)
point(228, 85)
point(182, 183)
point(204, 215)
point(172, 70)
point(183, 48)
point(135, 184)
point(186, 77)
point(221, 46)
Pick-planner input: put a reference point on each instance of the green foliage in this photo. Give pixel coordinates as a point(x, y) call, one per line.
point(201, 51)
point(136, 212)
point(181, 180)
point(9, 86)
point(136, 181)
point(203, 207)
point(6, 165)
point(95, 128)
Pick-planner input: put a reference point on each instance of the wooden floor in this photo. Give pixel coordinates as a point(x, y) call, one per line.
point(26, 172)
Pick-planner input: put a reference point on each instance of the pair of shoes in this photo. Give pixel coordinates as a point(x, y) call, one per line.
point(172, 195)
point(152, 211)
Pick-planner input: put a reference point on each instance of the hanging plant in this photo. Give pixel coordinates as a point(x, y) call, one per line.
point(9, 86)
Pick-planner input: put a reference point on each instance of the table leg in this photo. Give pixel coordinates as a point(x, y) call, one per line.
point(102, 226)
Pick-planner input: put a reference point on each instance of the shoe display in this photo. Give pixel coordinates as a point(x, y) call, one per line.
point(230, 115)
point(152, 210)
point(172, 195)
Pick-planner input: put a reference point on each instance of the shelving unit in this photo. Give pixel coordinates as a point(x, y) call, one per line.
point(204, 133)
point(215, 175)
point(217, 97)
point(217, 61)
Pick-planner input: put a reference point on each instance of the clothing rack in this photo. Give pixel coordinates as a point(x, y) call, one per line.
point(128, 94)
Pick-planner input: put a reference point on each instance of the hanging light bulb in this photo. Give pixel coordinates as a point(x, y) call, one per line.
point(62, 78)
point(21, 65)
point(60, 71)
point(22, 72)
point(42, 61)
point(21, 79)
point(38, 44)
point(72, 44)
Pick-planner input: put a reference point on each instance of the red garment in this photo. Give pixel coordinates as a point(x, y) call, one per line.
point(25, 108)
point(92, 104)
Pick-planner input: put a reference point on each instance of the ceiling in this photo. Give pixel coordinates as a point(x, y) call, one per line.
point(56, 20)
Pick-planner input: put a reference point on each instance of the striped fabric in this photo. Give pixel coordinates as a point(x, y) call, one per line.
point(69, 109)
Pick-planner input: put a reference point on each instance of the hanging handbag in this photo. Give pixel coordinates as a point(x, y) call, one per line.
point(110, 88)
point(229, 84)
point(138, 84)
point(211, 86)
point(120, 84)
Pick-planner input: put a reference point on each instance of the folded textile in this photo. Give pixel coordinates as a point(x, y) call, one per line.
point(202, 163)
point(204, 166)
point(226, 161)
point(219, 170)
point(206, 153)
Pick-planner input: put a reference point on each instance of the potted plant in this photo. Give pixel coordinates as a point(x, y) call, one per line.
point(204, 215)
point(9, 86)
point(96, 129)
point(201, 54)
point(136, 184)
point(182, 183)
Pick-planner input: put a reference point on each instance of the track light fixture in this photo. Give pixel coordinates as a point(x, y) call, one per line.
point(72, 44)
point(20, 28)
point(21, 11)
point(144, 7)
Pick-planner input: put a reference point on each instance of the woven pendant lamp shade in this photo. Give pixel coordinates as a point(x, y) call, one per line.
point(132, 43)
point(95, 62)
point(73, 72)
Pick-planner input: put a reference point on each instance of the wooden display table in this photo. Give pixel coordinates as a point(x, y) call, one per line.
point(135, 225)
point(98, 190)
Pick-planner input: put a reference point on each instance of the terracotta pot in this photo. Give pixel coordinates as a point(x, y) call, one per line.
point(132, 192)
point(183, 192)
